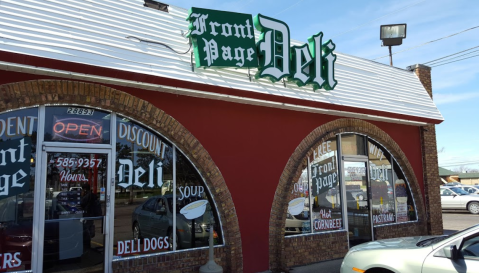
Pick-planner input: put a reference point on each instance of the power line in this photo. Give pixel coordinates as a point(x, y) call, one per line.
point(459, 163)
point(439, 62)
point(433, 61)
point(360, 26)
point(442, 38)
point(455, 61)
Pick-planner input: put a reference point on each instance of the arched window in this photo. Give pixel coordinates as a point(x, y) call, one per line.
point(351, 175)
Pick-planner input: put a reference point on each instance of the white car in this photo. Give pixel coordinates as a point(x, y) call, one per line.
point(458, 252)
point(473, 189)
point(454, 198)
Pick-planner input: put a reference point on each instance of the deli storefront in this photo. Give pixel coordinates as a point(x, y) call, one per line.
point(120, 153)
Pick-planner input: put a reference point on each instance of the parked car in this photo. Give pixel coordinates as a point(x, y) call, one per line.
point(454, 198)
point(154, 218)
point(16, 230)
point(458, 252)
point(297, 224)
point(453, 184)
point(473, 189)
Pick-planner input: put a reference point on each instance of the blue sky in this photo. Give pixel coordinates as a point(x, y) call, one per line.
point(354, 27)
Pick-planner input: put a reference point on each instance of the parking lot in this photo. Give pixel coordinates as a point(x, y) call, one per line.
point(454, 221)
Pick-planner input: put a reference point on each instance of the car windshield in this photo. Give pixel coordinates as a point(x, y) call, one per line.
point(431, 241)
point(459, 191)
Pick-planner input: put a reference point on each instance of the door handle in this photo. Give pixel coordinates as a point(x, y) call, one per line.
point(103, 225)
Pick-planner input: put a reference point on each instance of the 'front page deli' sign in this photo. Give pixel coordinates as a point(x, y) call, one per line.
point(227, 39)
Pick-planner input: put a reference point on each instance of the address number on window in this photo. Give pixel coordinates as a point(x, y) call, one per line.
point(80, 111)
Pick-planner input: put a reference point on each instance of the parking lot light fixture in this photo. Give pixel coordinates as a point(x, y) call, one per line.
point(392, 35)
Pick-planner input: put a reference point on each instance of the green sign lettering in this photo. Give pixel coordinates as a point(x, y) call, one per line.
point(227, 39)
point(222, 38)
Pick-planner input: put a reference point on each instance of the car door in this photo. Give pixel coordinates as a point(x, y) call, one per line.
point(447, 198)
point(144, 217)
point(467, 260)
point(159, 220)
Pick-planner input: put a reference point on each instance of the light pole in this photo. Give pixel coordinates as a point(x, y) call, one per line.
point(392, 35)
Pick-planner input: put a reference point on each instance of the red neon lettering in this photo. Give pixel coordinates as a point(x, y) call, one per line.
point(69, 127)
point(98, 131)
point(84, 129)
point(56, 125)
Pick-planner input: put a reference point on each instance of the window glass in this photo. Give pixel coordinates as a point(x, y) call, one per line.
point(77, 124)
point(144, 179)
point(18, 135)
point(194, 213)
point(381, 181)
point(352, 145)
point(298, 215)
point(470, 248)
point(75, 195)
point(144, 205)
point(326, 214)
point(405, 209)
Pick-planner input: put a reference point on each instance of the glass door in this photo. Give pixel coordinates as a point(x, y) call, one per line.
point(75, 208)
point(358, 209)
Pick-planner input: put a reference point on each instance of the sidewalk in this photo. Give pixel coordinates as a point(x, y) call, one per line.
point(331, 266)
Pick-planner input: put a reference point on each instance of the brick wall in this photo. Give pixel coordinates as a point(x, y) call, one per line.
point(430, 163)
point(301, 250)
point(41, 92)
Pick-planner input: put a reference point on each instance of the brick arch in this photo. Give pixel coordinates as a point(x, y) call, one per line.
point(281, 256)
point(40, 92)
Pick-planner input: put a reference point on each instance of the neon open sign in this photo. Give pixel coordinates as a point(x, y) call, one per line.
point(77, 129)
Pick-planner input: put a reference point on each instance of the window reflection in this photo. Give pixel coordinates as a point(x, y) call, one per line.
point(77, 124)
point(18, 134)
point(406, 210)
point(353, 145)
point(326, 214)
point(144, 182)
point(144, 196)
point(381, 181)
point(298, 215)
point(194, 208)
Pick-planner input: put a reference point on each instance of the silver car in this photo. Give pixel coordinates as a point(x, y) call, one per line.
point(454, 198)
point(457, 252)
point(473, 189)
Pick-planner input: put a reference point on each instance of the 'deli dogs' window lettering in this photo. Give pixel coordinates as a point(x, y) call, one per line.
point(18, 134)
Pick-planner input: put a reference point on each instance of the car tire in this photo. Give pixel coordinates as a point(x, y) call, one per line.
point(473, 207)
point(379, 270)
point(137, 232)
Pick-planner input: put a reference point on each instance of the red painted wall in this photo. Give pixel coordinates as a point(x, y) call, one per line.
point(251, 145)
